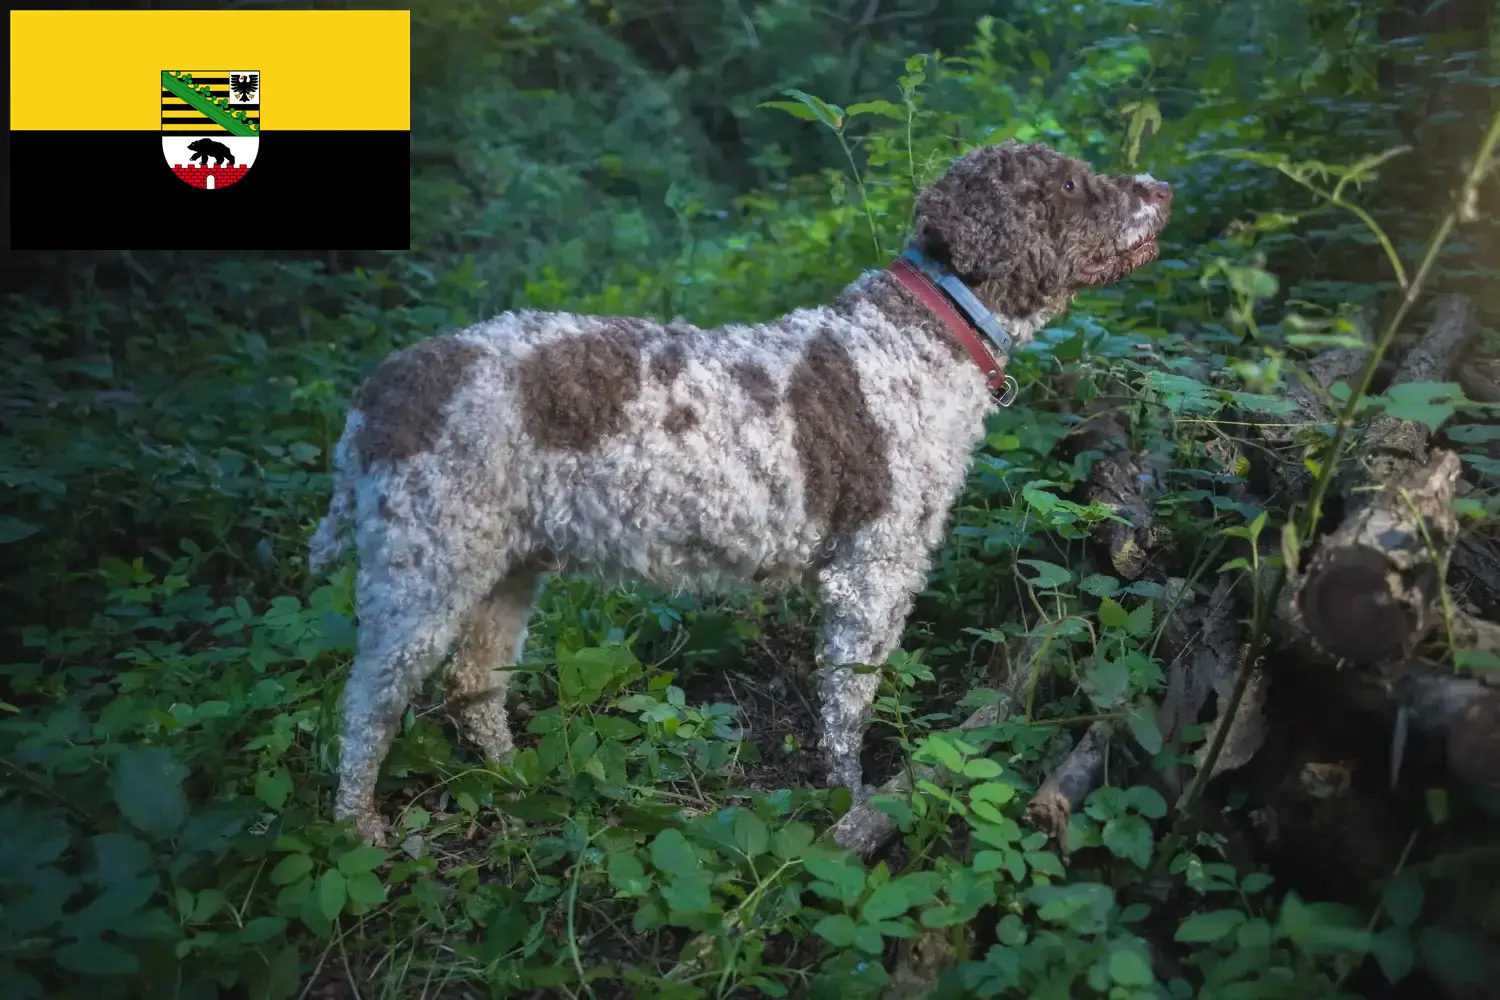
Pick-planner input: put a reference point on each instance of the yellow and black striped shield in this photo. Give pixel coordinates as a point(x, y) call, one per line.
point(210, 124)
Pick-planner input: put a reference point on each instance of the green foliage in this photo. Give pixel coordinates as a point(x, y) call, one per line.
point(171, 692)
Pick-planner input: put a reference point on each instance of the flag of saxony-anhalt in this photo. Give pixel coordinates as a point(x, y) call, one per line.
point(142, 128)
point(210, 115)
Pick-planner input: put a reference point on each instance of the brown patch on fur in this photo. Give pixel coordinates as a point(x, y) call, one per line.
point(574, 392)
point(841, 447)
point(756, 382)
point(406, 400)
point(680, 420)
point(668, 363)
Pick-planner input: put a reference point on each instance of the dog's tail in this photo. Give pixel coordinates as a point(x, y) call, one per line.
point(326, 545)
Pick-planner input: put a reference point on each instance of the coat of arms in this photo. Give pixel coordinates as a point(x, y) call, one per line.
point(210, 124)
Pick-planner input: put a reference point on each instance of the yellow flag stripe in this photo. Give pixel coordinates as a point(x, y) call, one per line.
point(319, 69)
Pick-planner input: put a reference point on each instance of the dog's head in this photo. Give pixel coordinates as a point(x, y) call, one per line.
point(1025, 226)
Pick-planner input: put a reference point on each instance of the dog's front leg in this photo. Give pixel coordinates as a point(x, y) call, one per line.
point(864, 613)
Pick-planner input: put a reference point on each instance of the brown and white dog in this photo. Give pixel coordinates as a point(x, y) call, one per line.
point(821, 449)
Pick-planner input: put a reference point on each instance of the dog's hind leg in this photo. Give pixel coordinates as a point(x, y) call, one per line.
point(480, 672)
point(405, 631)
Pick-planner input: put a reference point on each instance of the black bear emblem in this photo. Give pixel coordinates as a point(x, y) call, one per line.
point(204, 148)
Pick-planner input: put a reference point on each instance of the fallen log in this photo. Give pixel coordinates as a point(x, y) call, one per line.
point(1126, 482)
point(1204, 664)
point(1393, 446)
point(1285, 436)
point(1064, 790)
point(1462, 709)
point(1370, 591)
point(864, 828)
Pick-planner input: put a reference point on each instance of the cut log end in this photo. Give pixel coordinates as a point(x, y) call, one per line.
point(1049, 812)
point(1351, 608)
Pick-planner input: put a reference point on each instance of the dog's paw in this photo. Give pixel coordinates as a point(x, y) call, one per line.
point(369, 826)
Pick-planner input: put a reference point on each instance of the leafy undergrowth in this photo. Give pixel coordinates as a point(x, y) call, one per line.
point(167, 739)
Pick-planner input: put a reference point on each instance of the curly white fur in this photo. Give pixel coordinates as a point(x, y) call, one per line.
point(698, 476)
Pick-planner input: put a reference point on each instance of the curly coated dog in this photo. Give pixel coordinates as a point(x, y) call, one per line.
point(822, 449)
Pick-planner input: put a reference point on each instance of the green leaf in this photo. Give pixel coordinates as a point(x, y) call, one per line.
point(998, 442)
point(829, 114)
point(627, 875)
point(261, 929)
point(147, 787)
point(867, 939)
point(1099, 585)
point(1108, 682)
point(789, 842)
point(1112, 615)
point(333, 890)
point(688, 895)
point(750, 834)
point(290, 868)
point(1476, 659)
point(846, 881)
point(1473, 433)
point(982, 767)
point(997, 792)
point(940, 751)
point(1142, 722)
point(273, 788)
point(1128, 967)
point(1403, 899)
point(115, 908)
point(1128, 837)
point(885, 902)
point(1206, 928)
point(13, 530)
point(876, 108)
point(1140, 620)
point(119, 856)
point(1426, 403)
point(671, 853)
point(1049, 575)
point(209, 902)
point(363, 858)
point(364, 887)
point(1255, 882)
point(93, 957)
point(791, 108)
point(279, 978)
point(1045, 862)
point(988, 861)
point(1084, 907)
point(838, 930)
point(1394, 953)
point(612, 727)
point(1146, 800)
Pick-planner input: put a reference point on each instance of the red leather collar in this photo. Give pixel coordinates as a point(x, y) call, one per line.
point(979, 351)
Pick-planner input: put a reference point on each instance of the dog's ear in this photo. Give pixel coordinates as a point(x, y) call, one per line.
point(970, 218)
